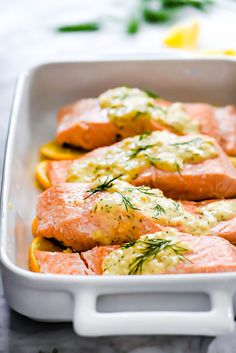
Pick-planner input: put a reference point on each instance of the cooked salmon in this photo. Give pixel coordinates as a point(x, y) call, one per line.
point(204, 255)
point(64, 213)
point(226, 121)
point(61, 263)
point(207, 254)
point(94, 258)
point(211, 178)
point(82, 216)
point(84, 124)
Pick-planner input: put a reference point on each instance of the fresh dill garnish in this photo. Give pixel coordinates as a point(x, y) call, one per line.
point(152, 160)
point(145, 11)
point(139, 149)
point(186, 142)
point(80, 27)
point(151, 93)
point(158, 15)
point(144, 135)
point(159, 210)
point(107, 184)
point(128, 245)
point(177, 205)
point(133, 25)
point(175, 4)
point(146, 190)
point(178, 168)
point(152, 247)
point(127, 203)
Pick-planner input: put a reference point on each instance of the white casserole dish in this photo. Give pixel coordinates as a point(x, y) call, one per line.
point(200, 304)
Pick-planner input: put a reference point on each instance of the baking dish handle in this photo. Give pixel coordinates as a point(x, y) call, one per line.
point(89, 322)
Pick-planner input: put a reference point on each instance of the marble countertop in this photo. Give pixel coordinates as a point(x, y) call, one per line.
point(26, 39)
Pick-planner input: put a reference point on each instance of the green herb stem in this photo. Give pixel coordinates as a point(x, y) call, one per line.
point(139, 149)
point(146, 190)
point(133, 26)
point(197, 139)
point(159, 210)
point(157, 16)
point(107, 184)
point(127, 203)
point(80, 27)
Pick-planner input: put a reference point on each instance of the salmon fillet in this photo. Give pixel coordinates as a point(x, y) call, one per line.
point(226, 121)
point(207, 255)
point(84, 124)
point(212, 178)
point(61, 263)
point(65, 212)
point(226, 229)
point(94, 258)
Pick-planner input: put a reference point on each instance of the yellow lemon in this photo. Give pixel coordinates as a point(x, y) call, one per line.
point(183, 36)
point(54, 151)
point(41, 175)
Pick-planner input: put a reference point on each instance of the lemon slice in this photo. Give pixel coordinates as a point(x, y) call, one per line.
point(41, 175)
point(54, 151)
point(183, 36)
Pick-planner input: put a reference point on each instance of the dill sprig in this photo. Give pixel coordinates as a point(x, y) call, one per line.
point(80, 27)
point(127, 203)
point(178, 168)
point(146, 190)
point(151, 248)
point(197, 139)
point(151, 93)
point(177, 205)
point(128, 245)
point(159, 210)
point(152, 160)
point(139, 149)
point(146, 11)
point(107, 184)
point(144, 135)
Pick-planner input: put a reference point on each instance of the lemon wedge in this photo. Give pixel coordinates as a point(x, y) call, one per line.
point(183, 36)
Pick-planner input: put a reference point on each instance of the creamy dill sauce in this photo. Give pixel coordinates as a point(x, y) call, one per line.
point(161, 149)
point(151, 203)
point(218, 211)
point(127, 206)
point(128, 106)
point(124, 200)
point(151, 254)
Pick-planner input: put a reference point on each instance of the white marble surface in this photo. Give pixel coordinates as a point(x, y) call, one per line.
point(26, 39)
